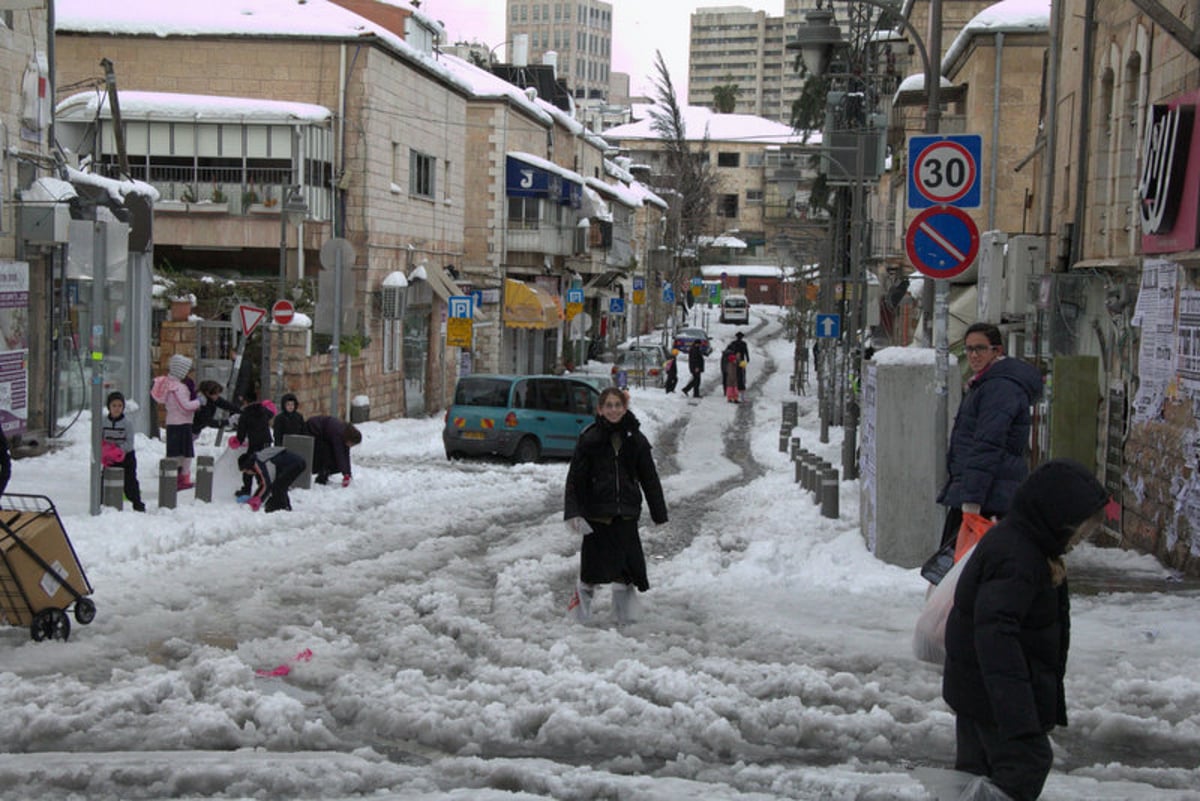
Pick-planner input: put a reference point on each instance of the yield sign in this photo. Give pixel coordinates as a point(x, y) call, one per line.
point(251, 317)
point(942, 241)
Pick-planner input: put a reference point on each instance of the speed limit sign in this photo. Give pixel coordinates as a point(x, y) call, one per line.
point(944, 171)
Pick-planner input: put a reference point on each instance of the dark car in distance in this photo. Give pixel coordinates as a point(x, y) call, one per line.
point(686, 337)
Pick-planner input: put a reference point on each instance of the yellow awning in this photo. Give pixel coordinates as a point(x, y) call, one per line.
point(527, 306)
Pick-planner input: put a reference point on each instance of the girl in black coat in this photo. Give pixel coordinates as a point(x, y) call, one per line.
point(289, 420)
point(1008, 632)
point(611, 467)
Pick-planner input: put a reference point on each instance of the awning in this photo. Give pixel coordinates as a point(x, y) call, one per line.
point(441, 282)
point(527, 306)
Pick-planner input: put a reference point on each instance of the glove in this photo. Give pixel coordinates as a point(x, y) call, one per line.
point(234, 442)
point(254, 503)
point(970, 508)
point(203, 400)
point(345, 479)
point(578, 526)
point(244, 498)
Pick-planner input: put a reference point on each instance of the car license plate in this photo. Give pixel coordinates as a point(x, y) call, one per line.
point(474, 435)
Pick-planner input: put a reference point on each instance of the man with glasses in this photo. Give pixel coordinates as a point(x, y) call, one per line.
point(988, 455)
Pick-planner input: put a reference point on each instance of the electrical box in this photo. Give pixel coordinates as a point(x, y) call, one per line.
point(1067, 315)
point(45, 223)
point(990, 278)
point(1024, 256)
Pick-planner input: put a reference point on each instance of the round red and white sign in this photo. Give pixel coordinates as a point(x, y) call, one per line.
point(944, 172)
point(282, 312)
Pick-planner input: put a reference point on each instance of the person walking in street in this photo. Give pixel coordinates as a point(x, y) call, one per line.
point(672, 370)
point(1007, 634)
point(611, 469)
point(742, 350)
point(171, 391)
point(729, 375)
point(332, 441)
point(988, 450)
point(696, 368)
point(117, 448)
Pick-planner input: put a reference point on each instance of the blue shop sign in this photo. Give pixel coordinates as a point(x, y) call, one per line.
point(527, 180)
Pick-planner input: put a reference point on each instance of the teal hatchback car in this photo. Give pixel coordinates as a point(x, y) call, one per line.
point(522, 418)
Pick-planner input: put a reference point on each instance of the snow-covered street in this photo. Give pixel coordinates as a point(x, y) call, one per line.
point(421, 617)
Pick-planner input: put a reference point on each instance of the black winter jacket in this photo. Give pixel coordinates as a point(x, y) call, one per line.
point(603, 484)
point(1009, 629)
point(288, 422)
point(986, 459)
point(254, 426)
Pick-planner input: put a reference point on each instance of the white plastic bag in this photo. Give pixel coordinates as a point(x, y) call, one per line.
point(929, 635)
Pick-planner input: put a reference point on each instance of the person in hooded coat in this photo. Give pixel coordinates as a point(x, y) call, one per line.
point(173, 394)
point(1008, 632)
point(289, 420)
point(989, 444)
point(611, 468)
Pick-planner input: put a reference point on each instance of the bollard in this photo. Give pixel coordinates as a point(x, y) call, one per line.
point(168, 482)
point(204, 478)
point(301, 445)
point(112, 482)
point(791, 411)
point(809, 470)
point(797, 470)
point(795, 448)
point(785, 436)
point(829, 493)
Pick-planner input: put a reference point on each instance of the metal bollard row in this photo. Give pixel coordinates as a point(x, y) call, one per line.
point(817, 476)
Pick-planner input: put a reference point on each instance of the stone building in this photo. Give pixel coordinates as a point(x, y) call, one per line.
point(359, 119)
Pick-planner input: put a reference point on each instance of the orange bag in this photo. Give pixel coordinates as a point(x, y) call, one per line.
point(970, 532)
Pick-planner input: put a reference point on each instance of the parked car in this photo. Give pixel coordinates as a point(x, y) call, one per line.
point(597, 380)
point(655, 353)
point(684, 338)
point(522, 418)
point(641, 367)
point(735, 309)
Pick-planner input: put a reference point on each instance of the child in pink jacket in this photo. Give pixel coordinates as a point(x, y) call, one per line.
point(174, 395)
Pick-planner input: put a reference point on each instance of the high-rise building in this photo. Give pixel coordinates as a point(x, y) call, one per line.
point(579, 31)
point(736, 45)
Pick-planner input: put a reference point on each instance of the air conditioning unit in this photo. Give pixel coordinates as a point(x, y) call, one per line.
point(990, 278)
point(1025, 256)
point(45, 223)
point(392, 298)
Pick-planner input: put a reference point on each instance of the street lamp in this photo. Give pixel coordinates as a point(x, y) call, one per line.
point(818, 41)
point(292, 211)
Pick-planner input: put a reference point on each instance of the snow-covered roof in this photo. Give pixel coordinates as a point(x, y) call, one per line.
point(285, 19)
point(647, 195)
point(117, 190)
point(1008, 16)
point(547, 165)
point(484, 85)
point(722, 241)
point(49, 190)
point(617, 192)
point(746, 270)
point(178, 106)
point(699, 121)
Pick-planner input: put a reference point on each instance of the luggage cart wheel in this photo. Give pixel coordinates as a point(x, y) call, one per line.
point(50, 624)
point(85, 611)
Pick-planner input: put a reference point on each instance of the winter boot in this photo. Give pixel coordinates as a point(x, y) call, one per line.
point(626, 608)
point(581, 602)
point(184, 482)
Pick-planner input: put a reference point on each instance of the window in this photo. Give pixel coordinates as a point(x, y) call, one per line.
point(421, 174)
point(523, 212)
point(754, 196)
point(728, 159)
point(727, 205)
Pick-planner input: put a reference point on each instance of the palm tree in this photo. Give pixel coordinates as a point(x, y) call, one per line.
point(725, 96)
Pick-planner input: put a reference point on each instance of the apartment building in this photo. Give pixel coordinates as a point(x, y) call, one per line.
point(580, 32)
point(745, 47)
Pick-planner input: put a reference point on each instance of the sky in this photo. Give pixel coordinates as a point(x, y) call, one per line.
point(639, 29)
point(406, 637)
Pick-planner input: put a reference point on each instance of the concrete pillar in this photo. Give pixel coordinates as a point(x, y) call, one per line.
point(204, 478)
point(168, 480)
point(112, 488)
point(301, 444)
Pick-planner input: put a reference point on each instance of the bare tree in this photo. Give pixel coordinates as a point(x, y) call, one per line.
point(689, 176)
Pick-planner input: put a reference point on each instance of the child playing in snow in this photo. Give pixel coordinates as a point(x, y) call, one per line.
point(117, 450)
point(253, 431)
point(170, 391)
point(206, 414)
point(276, 469)
point(289, 420)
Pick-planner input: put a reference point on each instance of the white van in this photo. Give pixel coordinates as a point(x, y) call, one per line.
point(735, 309)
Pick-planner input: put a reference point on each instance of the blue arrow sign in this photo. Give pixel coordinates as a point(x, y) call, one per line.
point(829, 326)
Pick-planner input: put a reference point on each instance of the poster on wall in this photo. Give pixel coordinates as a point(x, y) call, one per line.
point(1189, 341)
point(14, 346)
point(1155, 315)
